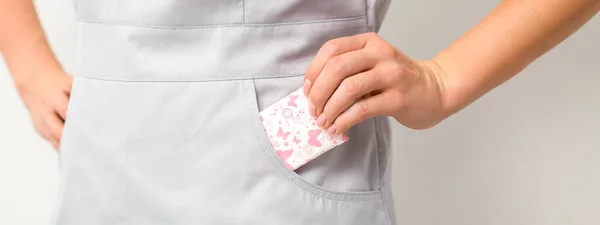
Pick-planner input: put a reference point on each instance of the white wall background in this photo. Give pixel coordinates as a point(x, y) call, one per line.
point(528, 153)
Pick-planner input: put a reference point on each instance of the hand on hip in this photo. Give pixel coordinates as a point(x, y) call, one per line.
point(47, 97)
point(358, 77)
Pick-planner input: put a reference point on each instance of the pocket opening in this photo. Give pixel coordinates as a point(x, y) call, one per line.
point(292, 176)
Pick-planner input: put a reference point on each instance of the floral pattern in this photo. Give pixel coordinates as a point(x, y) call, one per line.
point(293, 133)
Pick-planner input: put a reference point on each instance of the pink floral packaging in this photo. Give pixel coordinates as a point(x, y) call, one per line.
point(293, 133)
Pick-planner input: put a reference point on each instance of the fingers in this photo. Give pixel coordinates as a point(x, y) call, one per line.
point(60, 103)
point(349, 91)
point(55, 126)
point(329, 50)
point(335, 71)
point(47, 100)
point(60, 100)
point(55, 144)
point(378, 105)
point(50, 127)
point(347, 69)
point(68, 84)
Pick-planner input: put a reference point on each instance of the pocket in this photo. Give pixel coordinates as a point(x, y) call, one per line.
point(346, 194)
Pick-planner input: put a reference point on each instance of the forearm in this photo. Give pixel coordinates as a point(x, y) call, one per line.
point(23, 43)
point(504, 43)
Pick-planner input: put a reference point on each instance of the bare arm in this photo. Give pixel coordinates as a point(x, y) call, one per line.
point(23, 43)
point(512, 36)
point(38, 76)
point(362, 76)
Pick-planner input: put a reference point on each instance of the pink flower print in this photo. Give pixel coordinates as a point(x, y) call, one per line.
point(292, 99)
point(282, 134)
point(308, 149)
point(284, 155)
point(287, 113)
point(296, 140)
point(312, 137)
point(301, 117)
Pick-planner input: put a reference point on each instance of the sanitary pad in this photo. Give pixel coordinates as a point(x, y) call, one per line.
point(294, 134)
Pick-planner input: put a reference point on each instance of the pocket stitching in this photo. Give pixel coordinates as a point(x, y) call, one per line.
point(348, 196)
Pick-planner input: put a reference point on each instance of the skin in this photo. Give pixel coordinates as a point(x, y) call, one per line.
point(40, 80)
point(362, 76)
point(351, 78)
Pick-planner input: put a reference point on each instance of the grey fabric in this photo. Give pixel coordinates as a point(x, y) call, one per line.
point(163, 126)
point(133, 53)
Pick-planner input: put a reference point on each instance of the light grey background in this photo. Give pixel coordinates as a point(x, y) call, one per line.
point(527, 153)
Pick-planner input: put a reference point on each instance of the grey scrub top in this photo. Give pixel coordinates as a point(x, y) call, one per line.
point(163, 124)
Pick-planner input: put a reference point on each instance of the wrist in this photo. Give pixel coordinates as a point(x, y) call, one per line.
point(27, 80)
point(25, 72)
point(444, 85)
point(29, 60)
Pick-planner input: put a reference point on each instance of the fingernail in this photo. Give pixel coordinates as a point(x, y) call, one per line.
point(321, 120)
point(331, 129)
point(307, 85)
point(311, 110)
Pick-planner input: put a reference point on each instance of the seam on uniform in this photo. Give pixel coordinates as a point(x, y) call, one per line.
point(376, 123)
point(379, 174)
point(376, 129)
point(244, 11)
point(186, 27)
point(367, 14)
point(385, 207)
point(354, 197)
point(216, 79)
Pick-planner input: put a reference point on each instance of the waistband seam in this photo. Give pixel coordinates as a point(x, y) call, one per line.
point(166, 80)
point(207, 26)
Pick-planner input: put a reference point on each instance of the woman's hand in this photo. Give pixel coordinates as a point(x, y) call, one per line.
point(47, 97)
point(357, 77)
